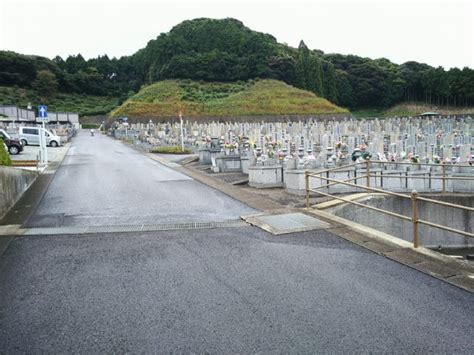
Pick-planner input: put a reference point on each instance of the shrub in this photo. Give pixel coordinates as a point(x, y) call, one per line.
point(90, 126)
point(4, 156)
point(171, 150)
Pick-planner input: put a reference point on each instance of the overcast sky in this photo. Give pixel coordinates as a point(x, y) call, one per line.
point(434, 32)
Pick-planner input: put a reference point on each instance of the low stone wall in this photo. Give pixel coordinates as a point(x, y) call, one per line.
point(13, 183)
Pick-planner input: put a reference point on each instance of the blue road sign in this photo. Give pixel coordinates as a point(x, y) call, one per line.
point(43, 112)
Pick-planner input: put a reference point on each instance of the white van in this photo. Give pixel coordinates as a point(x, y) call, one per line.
point(30, 136)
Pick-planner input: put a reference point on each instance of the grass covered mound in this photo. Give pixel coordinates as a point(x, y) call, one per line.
point(214, 99)
point(85, 105)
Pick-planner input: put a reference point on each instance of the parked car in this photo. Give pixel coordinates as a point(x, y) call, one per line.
point(30, 136)
point(14, 146)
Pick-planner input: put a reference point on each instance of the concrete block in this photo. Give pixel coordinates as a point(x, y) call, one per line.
point(13, 183)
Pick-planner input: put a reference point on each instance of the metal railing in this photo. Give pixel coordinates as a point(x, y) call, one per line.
point(413, 196)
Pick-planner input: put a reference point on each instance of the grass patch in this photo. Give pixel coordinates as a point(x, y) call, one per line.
point(171, 150)
point(204, 99)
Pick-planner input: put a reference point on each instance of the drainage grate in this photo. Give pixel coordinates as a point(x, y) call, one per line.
point(125, 228)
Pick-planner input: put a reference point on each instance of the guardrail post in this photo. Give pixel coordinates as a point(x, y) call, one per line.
point(306, 177)
point(327, 181)
point(443, 178)
point(367, 161)
point(414, 218)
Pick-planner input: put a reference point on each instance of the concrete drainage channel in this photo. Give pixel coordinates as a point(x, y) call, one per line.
point(133, 228)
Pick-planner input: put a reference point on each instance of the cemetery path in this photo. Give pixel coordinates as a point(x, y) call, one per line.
point(103, 182)
point(216, 290)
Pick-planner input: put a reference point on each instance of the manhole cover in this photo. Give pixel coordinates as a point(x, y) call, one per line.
point(286, 223)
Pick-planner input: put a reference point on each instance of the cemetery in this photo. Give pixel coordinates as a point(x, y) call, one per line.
point(389, 166)
point(429, 154)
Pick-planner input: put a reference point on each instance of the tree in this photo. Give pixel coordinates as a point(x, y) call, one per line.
point(344, 89)
point(329, 81)
point(370, 85)
point(75, 63)
point(45, 84)
point(308, 70)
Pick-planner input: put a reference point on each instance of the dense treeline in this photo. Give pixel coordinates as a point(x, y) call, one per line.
point(98, 76)
point(225, 50)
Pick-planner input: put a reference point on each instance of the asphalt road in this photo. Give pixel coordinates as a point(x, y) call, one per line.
point(103, 182)
point(221, 290)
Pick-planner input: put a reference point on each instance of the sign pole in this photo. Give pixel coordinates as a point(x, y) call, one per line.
point(181, 127)
point(44, 144)
point(43, 116)
point(41, 159)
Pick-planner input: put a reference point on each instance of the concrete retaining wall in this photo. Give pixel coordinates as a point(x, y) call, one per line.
point(13, 183)
point(429, 237)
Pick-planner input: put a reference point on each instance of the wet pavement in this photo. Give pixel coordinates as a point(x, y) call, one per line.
point(222, 290)
point(104, 182)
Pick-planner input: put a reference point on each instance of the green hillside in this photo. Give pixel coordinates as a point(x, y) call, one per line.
point(242, 98)
point(85, 105)
point(225, 50)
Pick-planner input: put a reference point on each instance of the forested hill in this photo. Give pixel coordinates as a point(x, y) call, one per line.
point(226, 51)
